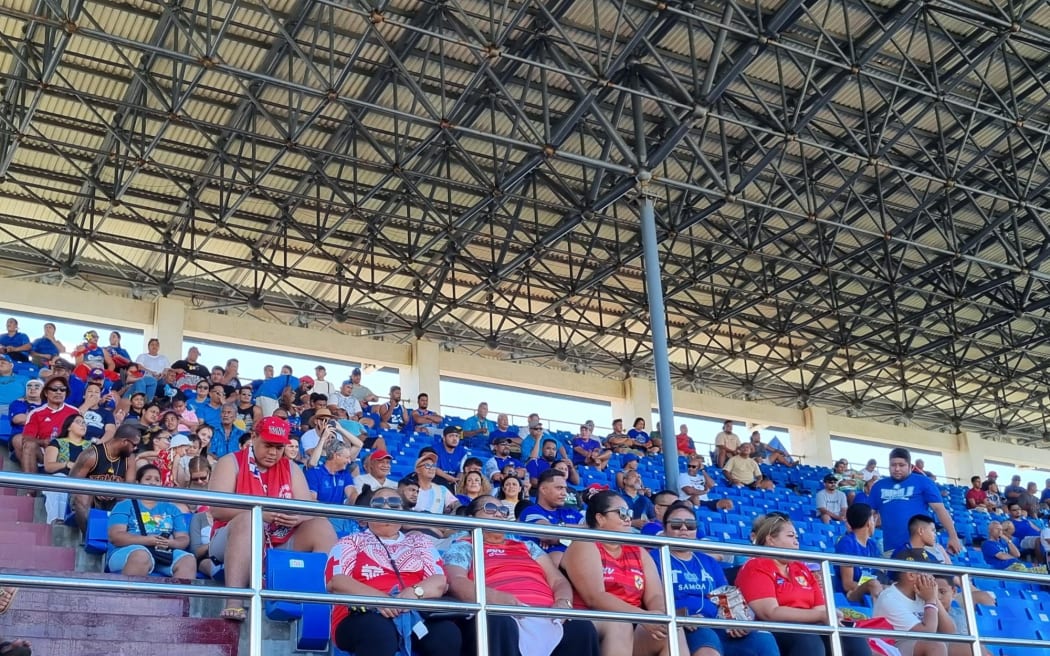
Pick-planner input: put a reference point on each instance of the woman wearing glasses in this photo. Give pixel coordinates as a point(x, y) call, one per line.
point(59, 458)
point(384, 562)
point(694, 576)
point(614, 577)
point(45, 423)
point(780, 590)
point(517, 574)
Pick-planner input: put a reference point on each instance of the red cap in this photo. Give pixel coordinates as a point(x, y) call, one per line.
point(306, 380)
point(274, 430)
point(597, 487)
point(992, 474)
point(379, 454)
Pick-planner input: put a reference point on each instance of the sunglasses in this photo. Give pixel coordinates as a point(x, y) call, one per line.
point(57, 389)
point(692, 466)
point(199, 479)
point(495, 509)
point(679, 524)
point(624, 513)
point(393, 503)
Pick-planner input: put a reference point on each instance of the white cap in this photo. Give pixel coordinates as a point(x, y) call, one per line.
point(179, 440)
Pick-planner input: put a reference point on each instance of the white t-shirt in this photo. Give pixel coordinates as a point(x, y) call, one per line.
point(368, 479)
point(155, 363)
point(694, 481)
point(868, 475)
point(325, 387)
point(901, 612)
point(729, 440)
point(434, 500)
point(834, 502)
point(348, 403)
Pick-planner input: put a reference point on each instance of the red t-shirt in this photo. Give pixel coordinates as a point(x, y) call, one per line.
point(363, 558)
point(624, 577)
point(685, 445)
point(976, 497)
point(512, 567)
point(45, 422)
point(760, 578)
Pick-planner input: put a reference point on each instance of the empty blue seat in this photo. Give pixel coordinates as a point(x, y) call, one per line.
point(296, 571)
point(96, 538)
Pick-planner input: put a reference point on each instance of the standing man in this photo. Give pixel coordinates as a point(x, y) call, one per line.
point(450, 457)
point(363, 395)
point(550, 509)
point(906, 494)
point(726, 444)
point(322, 386)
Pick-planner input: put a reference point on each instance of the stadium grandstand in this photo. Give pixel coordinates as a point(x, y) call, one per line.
point(267, 265)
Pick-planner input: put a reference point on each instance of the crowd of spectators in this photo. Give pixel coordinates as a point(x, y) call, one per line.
point(107, 417)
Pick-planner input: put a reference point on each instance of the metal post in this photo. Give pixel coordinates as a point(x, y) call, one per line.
point(654, 290)
point(968, 611)
point(829, 600)
point(481, 620)
point(255, 614)
point(669, 607)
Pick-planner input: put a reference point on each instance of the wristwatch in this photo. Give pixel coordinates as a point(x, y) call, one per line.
point(418, 589)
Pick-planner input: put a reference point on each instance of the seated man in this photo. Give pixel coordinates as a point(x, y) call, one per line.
point(642, 510)
point(1026, 533)
point(726, 444)
point(588, 451)
point(912, 604)
point(550, 509)
point(743, 471)
point(502, 464)
point(861, 580)
point(694, 484)
point(976, 498)
point(831, 501)
point(261, 470)
point(1002, 553)
point(766, 453)
point(110, 460)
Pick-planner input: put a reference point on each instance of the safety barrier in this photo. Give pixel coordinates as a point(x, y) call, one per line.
point(257, 594)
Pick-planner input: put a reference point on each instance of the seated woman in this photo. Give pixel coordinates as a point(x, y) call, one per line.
point(696, 575)
point(59, 457)
point(143, 530)
point(472, 485)
point(517, 574)
point(403, 565)
point(787, 591)
point(613, 577)
point(513, 491)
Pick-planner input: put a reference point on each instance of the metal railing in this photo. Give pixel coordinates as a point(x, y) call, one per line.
point(257, 594)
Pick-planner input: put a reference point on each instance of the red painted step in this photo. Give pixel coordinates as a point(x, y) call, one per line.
point(16, 509)
point(8, 491)
point(16, 556)
point(127, 647)
point(25, 534)
point(66, 603)
point(33, 624)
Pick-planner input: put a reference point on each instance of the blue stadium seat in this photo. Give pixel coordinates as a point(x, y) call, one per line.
point(96, 538)
point(296, 571)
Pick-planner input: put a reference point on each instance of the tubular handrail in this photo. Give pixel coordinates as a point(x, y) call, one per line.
point(257, 594)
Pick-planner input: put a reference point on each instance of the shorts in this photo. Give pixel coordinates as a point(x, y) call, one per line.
point(905, 647)
point(217, 546)
point(1029, 543)
point(120, 556)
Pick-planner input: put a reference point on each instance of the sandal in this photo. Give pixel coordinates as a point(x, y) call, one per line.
point(7, 599)
point(234, 614)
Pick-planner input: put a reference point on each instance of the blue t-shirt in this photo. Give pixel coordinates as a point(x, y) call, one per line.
point(692, 580)
point(209, 415)
point(96, 421)
point(537, 466)
point(329, 487)
point(164, 517)
point(641, 507)
point(44, 346)
point(557, 517)
point(511, 432)
point(16, 340)
point(18, 407)
point(273, 387)
point(484, 425)
point(990, 548)
point(638, 435)
point(1022, 529)
point(849, 545)
point(119, 350)
point(450, 463)
point(1012, 492)
point(1045, 496)
point(12, 388)
point(588, 444)
point(899, 501)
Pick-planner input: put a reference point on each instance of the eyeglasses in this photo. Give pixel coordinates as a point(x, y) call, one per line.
point(58, 389)
point(393, 503)
point(624, 513)
point(536, 428)
point(495, 509)
point(427, 465)
point(679, 524)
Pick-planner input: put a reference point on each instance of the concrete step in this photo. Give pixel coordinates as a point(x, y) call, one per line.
point(34, 624)
point(26, 534)
point(67, 603)
point(18, 556)
point(85, 647)
point(16, 509)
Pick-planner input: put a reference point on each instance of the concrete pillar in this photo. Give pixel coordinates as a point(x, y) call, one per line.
point(423, 374)
point(169, 325)
point(813, 439)
point(637, 401)
point(968, 459)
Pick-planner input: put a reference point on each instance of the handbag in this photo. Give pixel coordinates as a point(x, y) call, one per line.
point(161, 557)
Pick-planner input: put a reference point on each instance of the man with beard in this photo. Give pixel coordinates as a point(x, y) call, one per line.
point(110, 460)
point(904, 495)
point(502, 464)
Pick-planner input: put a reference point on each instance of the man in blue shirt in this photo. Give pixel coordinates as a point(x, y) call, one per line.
point(479, 426)
point(999, 552)
point(14, 344)
point(642, 510)
point(905, 494)
point(861, 580)
point(541, 462)
point(450, 454)
point(550, 509)
point(1012, 492)
point(1026, 533)
point(501, 463)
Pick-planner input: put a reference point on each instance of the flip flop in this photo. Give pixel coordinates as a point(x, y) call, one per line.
point(7, 599)
point(234, 614)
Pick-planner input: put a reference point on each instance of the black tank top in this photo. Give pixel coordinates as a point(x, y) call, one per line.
point(107, 470)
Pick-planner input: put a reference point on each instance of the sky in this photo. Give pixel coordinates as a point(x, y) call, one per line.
point(460, 397)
